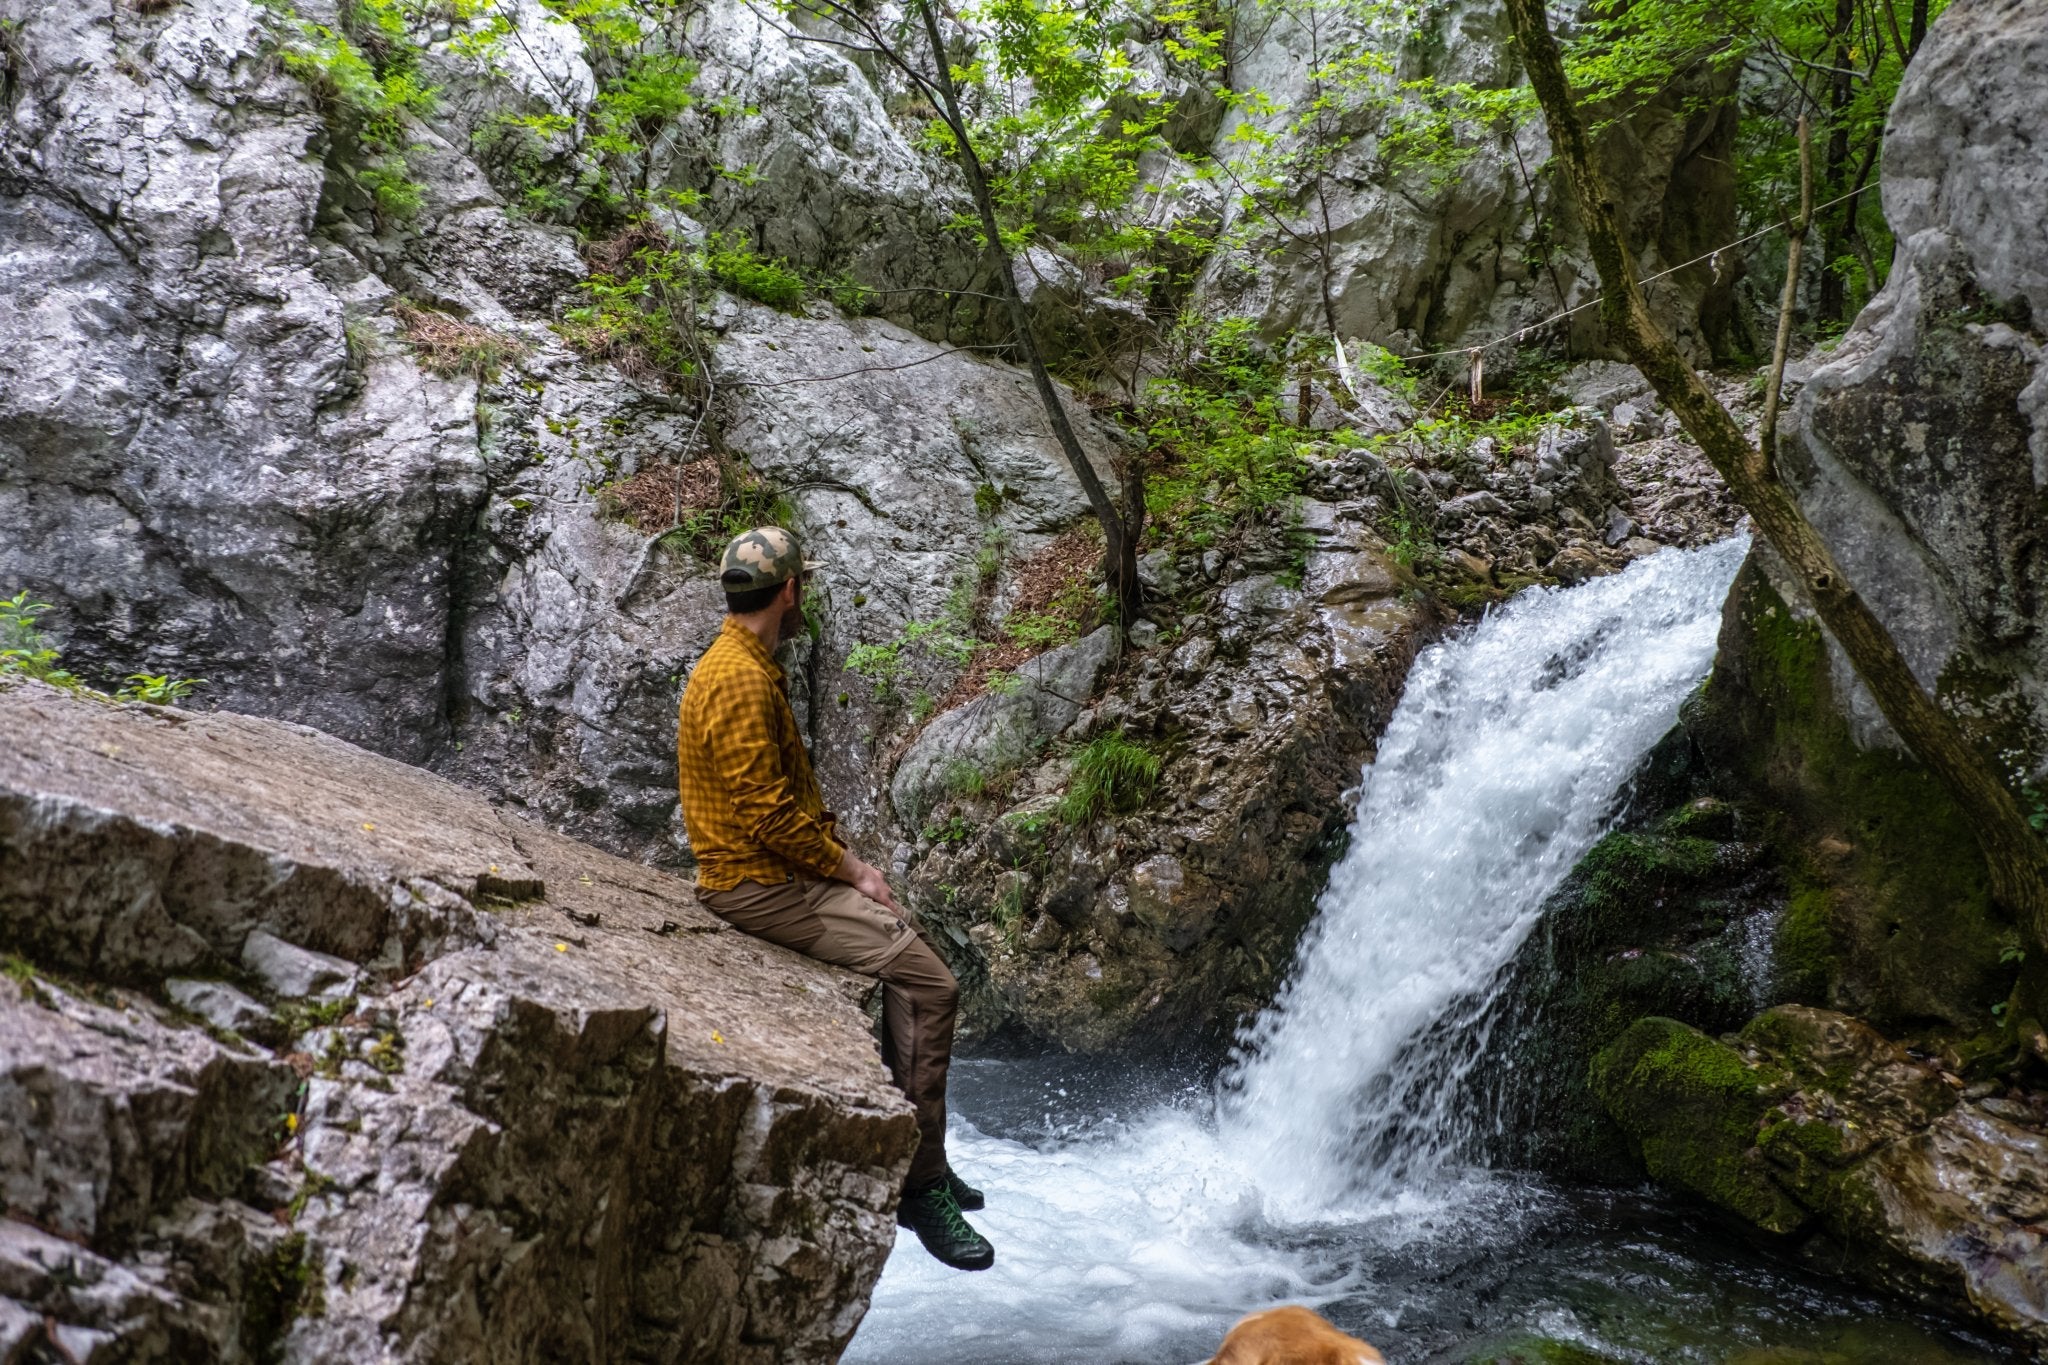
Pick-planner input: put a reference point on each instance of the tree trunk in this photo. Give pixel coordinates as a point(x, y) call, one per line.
point(2017, 858)
point(1121, 549)
point(1834, 292)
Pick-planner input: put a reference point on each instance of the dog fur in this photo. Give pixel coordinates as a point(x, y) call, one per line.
point(1291, 1335)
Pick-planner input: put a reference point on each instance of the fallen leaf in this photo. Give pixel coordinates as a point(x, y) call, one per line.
point(291, 1123)
point(717, 1037)
point(494, 867)
point(561, 947)
point(430, 1002)
point(368, 825)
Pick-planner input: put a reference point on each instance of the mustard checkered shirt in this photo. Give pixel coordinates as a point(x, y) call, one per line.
point(750, 801)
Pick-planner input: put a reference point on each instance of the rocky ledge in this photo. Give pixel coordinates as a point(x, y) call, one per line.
point(308, 1055)
point(1811, 1122)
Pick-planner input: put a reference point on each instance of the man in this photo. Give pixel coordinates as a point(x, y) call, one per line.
point(770, 862)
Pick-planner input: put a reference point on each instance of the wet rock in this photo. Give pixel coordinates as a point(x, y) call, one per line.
point(652, 1136)
point(1694, 1107)
point(1574, 564)
point(1811, 1118)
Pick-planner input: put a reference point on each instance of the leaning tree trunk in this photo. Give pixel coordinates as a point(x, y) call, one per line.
point(2017, 858)
point(1120, 539)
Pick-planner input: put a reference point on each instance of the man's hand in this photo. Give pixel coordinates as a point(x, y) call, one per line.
point(868, 881)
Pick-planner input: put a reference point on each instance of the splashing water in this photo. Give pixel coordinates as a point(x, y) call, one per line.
point(1331, 1146)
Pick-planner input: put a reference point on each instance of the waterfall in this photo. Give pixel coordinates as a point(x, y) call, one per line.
point(1500, 769)
point(1333, 1138)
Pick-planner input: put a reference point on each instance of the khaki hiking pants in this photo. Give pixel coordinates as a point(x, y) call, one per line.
point(834, 923)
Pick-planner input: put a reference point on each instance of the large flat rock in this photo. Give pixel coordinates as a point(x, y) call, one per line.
point(559, 1112)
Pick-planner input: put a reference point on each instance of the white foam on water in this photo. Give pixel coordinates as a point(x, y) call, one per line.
point(1335, 1123)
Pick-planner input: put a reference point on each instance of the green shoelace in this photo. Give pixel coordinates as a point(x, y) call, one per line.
point(956, 1225)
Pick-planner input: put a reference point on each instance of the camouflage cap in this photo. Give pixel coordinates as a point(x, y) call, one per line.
point(762, 558)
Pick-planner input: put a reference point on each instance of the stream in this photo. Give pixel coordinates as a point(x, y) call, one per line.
point(1138, 1211)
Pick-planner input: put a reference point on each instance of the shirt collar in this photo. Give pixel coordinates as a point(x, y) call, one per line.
point(751, 643)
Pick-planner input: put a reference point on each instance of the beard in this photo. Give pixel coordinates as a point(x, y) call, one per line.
point(791, 626)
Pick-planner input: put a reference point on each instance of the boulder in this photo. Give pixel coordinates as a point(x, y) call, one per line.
point(564, 1111)
point(1811, 1120)
point(1003, 729)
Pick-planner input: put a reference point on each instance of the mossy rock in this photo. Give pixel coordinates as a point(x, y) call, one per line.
point(1891, 917)
point(1648, 923)
point(1624, 880)
point(1694, 1107)
point(1705, 817)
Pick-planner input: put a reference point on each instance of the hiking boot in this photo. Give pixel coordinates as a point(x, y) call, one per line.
point(964, 1194)
point(934, 1215)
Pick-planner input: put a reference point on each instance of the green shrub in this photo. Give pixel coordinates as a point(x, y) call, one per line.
point(1112, 773)
point(1220, 453)
point(157, 688)
point(733, 265)
point(365, 77)
point(23, 650)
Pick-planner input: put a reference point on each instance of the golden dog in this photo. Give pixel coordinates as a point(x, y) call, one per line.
point(1291, 1336)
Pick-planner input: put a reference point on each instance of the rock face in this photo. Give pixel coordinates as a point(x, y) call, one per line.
point(539, 1104)
point(1421, 257)
point(1920, 448)
point(187, 444)
point(1166, 923)
point(222, 452)
point(1811, 1121)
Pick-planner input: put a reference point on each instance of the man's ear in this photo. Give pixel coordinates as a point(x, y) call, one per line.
point(792, 593)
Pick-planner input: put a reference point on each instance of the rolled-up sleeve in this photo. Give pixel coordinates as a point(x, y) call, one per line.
point(763, 795)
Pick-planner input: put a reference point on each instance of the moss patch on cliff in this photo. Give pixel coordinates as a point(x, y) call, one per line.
point(1891, 916)
point(282, 1287)
point(1694, 1107)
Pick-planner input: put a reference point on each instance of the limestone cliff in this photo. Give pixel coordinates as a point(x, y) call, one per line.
point(306, 1055)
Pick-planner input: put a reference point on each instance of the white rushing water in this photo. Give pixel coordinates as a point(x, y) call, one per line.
point(1334, 1125)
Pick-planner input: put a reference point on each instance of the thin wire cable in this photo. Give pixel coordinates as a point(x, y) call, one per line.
point(1648, 279)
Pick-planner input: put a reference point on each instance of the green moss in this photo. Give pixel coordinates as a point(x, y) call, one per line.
point(1625, 876)
point(1805, 945)
point(281, 1288)
point(1706, 818)
point(1808, 1153)
point(1892, 917)
point(1694, 1107)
